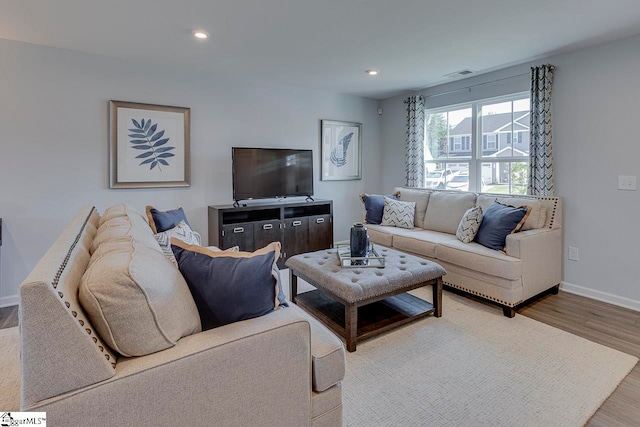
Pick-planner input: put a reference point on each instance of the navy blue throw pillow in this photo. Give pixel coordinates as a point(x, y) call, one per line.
point(229, 286)
point(498, 222)
point(374, 207)
point(162, 221)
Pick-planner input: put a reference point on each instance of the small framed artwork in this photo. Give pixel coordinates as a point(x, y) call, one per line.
point(148, 145)
point(341, 150)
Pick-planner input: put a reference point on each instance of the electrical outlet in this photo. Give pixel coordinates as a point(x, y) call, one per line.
point(573, 253)
point(627, 182)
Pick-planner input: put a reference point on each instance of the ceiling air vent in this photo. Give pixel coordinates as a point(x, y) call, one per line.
point(461, 73)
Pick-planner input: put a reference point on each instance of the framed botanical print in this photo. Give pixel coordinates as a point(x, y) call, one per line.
point(148, 145)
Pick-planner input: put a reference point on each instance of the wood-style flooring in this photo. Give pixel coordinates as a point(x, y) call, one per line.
point(8, 317)
point(596, 321)
point(605, 324)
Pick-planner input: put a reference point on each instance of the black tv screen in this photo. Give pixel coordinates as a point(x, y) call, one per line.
point(260, 173)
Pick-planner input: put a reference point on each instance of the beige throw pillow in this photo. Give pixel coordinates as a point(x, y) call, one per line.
point(138, 302)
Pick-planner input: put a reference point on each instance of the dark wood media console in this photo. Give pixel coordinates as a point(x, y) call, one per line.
point(299, 226)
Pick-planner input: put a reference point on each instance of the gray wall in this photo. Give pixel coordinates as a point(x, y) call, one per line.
point(595, 98)
point(53, 140)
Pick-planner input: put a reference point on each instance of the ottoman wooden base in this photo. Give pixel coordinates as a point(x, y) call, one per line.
point(371, 319)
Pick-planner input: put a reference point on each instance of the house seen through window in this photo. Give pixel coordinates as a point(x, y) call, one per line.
point(480, 146)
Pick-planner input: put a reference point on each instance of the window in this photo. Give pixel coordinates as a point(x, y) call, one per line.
point(448, 145)
point(466, 143)
point(491, 142)
point(457, 144)
point(473, 146)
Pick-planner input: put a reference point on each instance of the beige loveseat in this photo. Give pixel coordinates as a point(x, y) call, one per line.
point(281, 369)
point(530, 264)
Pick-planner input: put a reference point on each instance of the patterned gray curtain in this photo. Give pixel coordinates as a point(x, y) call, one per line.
point(540, 155)
point(414, 153)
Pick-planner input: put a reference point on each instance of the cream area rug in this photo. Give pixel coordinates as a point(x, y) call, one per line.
point(9, 370)
point(474, 367)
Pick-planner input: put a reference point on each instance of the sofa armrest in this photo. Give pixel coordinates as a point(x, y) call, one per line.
point(531, 241)
point(540, 251)
point(255, 372)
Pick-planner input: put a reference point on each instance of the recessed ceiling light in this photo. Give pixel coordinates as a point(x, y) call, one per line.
point(201, 35)
point(372, 72)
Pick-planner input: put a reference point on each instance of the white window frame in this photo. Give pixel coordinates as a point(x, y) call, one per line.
point(476, 159)
point(491, 145)
point(466, 142)
point(457, 143)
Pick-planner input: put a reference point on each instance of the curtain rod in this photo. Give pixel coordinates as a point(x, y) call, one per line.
point(468, 88)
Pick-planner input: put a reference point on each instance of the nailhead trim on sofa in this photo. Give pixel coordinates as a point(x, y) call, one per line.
point(58, 275)
point(509, 304)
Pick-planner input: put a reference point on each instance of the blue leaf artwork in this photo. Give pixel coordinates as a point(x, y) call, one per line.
point(339, 153)
point(144, 137)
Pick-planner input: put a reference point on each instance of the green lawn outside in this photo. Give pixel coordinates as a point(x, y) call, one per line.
point(503, 189)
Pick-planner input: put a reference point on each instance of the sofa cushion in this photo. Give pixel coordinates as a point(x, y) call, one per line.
point(380, 234)
point(398, 214)
point(126, 223)
point(498, 222)
point(138, 302)
point(374, 207)
point(324, 403)
point(421, 242)
point(160, 221)
point(469, 224)
point(119, 210)
point(230, 286)
point(537, 217)
point(419, 197)
point(474, 256)
point(445, 210)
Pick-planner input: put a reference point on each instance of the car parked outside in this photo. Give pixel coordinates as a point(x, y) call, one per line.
point(460, 182)
point(439, 178)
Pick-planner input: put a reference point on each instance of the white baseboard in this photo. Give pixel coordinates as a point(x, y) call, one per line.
point(9, 301)
point(601, 296)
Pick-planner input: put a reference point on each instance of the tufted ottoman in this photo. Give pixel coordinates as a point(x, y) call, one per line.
point(358, 303)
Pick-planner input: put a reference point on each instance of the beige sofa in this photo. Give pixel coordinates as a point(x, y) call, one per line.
point(281, 369)
point(530, 264)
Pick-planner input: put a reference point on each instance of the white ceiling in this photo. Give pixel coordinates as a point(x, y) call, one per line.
point(324, 44)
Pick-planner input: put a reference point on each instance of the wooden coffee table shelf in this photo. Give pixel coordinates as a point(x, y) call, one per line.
point(373, 319)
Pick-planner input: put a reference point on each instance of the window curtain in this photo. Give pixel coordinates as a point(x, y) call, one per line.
point(414, 146)
point(540, 156)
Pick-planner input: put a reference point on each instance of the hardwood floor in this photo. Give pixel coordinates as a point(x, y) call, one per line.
point(8, 317)
point(596, 321)
point(605, 324)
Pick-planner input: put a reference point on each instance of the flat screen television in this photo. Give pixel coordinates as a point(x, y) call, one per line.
point(260, 173)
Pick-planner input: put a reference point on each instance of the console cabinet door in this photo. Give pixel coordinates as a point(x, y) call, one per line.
point(238, 235)
point(295, 237)
point(320, 232)
point(265, 232)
